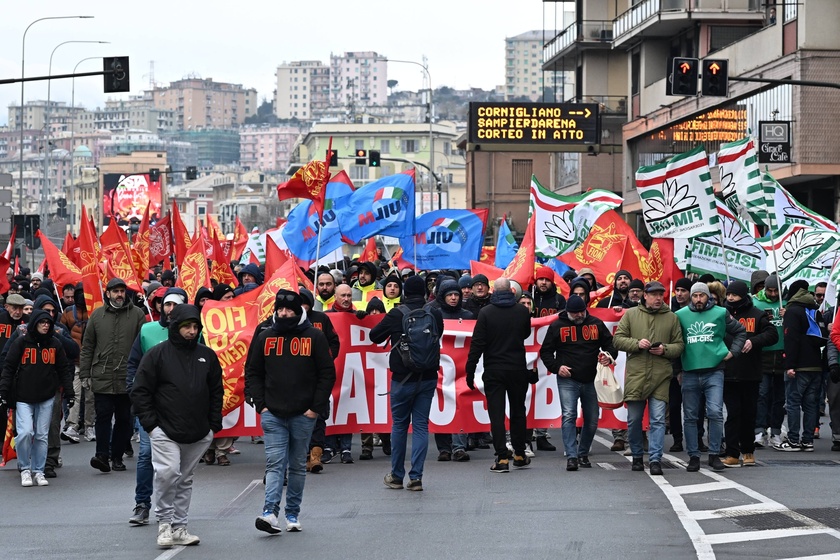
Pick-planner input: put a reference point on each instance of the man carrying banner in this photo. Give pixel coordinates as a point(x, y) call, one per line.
point(499, 336)
point(289, 375)
point(651, 336)
point(573, 347)
point(705, 328)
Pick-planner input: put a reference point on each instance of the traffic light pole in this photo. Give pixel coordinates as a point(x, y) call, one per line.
point(786, 82)
point(56, 77)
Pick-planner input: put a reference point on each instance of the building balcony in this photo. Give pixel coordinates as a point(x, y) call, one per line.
point(666, 18)
point(581, 35)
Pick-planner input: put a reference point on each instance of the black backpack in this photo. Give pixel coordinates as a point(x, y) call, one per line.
point(419, 344)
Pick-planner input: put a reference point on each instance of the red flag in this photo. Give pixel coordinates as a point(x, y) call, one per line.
point(370, 254)
point(521, 268)
point(116, 250)
point(310, 182)
point(208, 245)
point(220, 267)
point(213, 225)
point(275, 257)
point(193, 272)
point(90, 256)
point(140, 247)
point(5, 260)
point(488, 254)
point(62, 269)
point(160, 242)
point(180, 235)
point(240, 240)
point(9, 440)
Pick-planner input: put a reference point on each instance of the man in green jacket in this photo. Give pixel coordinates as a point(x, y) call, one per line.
point(651, 336)
point(106, 345)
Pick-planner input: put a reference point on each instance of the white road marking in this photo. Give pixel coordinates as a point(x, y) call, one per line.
point(706, 487)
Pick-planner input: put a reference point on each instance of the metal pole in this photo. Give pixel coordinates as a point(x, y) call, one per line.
point(72, 202)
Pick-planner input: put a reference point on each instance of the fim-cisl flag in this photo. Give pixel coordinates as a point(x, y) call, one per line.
point(446, 239)
point(743, 254)
point(740, 178)
point(801, 252)
point(782, 209)
point(562, 222)
point(383, 207)
point(677, 197)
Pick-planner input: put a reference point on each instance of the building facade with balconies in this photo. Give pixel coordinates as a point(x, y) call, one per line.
point(202, 103)
point(358, 79)
point(268, 148)
point(303, 90)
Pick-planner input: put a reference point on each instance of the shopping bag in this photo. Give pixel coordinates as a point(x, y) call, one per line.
point(610, 394)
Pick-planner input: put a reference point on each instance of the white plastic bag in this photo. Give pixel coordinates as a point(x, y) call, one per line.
point(610, 394)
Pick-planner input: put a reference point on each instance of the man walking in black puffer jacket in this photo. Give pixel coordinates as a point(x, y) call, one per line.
point(500, 333)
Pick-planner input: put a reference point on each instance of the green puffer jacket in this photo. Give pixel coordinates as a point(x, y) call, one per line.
point(645, 374)
point(106, 346)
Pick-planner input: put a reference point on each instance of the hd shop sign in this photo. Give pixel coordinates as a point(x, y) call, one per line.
point(774, 142)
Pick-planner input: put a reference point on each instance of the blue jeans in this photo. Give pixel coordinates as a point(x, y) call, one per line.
point(286, 445)
point(801, 396)
point(570, 391)
point(656, 432)
point(410, 404)
point(32, 421)
point(145, 471)
point(695, 385)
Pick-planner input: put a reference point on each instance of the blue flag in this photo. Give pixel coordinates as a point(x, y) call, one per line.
point(558, 266)
point(446, 239)
point(383, 207)
point(301, 233)
point(506, 246)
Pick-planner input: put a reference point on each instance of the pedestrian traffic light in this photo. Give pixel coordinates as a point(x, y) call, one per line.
point(154, 174)
point(332, 155)
point(116, 74)
point(192, 173)
point(715, 78)
point(361, 157)
point(684, 76)
point(374, 158)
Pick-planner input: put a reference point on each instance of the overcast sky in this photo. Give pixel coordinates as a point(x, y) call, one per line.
point(243, 42)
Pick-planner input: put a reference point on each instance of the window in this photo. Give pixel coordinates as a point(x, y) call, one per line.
point(384, 146)
point(409, 146)
point(521, 171)
point(359, 144)
point(359, 173)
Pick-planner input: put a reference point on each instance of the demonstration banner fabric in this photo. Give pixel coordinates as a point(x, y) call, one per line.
point(382, 207)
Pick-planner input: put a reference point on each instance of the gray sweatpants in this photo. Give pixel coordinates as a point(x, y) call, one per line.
point(174, 465)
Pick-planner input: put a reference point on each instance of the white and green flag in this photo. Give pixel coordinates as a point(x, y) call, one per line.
point(780, 209)
point(677, 197)
point(563, 222)
point(801, 252)
point(740, 178)
point(742, 253)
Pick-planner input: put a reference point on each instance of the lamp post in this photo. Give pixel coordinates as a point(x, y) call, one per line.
point(425, 68)
point(72, 202)
point(22, 77)
point(45, 185)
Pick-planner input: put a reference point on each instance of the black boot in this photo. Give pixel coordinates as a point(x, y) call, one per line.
point(544, 445)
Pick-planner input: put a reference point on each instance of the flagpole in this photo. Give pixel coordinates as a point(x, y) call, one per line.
point(58, 298)
point(318, 245)
point(773, 243)
point(723, 251)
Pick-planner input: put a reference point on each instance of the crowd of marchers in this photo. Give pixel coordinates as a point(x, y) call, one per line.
point(723, 367)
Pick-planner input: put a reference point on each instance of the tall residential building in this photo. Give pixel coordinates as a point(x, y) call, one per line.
point(523, 65)
point(215, 146)
point(267, 148)
point(202, 103)
point(303, 89)
point(36, 114)
point(138, 114)
point(358, 79)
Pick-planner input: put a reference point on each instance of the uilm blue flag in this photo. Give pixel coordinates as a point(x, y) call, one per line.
point(383, 207)
point(446, 239)
point(506, 246)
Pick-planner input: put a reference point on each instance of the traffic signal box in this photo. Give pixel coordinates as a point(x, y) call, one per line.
point(684, 76)
point(715, 78)
point(361, 157)
point(374, 158)
point(332, 156)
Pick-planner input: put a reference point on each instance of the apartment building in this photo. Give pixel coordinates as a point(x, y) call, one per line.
point(268, 148)
point(523, 65)
point(202, 103)
point(303, 90)
point(358, 79)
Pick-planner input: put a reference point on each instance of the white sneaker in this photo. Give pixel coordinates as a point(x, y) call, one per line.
point(292, 523)
point(180, 536)
point(529, 452)
point(509, 445)
point(776, 441)
point(136, 437)
point(164, 537)
point(70, 434)
point(268, 522)
point(90, 434)
point(25, 479)
point(41, 480)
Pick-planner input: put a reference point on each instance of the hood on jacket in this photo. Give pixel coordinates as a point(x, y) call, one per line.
point(253, 270)
point(42, 300)
point(203, 292)
point(164, 321)
point(503, 299)
point(449, 286)
point(371, 268)
point(393, 277)
point(180, 315)
point(37, 316)
point(220, 290)
point(758, 277)
point(582, 282)
point(804, 297)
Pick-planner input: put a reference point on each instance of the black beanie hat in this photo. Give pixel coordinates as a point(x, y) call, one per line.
point(738, 288)
point(636, 284)
point(414, 286)
point(307, 297)
point(289, 300)
point(684, 283)
point(796, 286)
point(480, 278)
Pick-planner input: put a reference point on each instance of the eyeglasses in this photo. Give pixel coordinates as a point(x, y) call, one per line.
point(287, 297)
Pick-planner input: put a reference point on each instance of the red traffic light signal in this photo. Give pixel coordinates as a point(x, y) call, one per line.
point(684, 76)
point(715, 77)
point(332, 157)
point(361, 157)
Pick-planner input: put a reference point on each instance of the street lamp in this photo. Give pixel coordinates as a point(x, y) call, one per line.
point(45, 185)
point(425, 68)
point(72, 201)
point(22, 77)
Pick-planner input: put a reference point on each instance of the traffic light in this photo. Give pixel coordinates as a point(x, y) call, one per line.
point(361, 157)
point(332, 155)
point(154, 174)
point(374, 158)
point(715, 77)
point(192, 173)
point(61, 203)
point(28, 224)
point(684, 76)
point(116, 74)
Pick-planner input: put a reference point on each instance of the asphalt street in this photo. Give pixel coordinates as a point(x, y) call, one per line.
point(786, 507)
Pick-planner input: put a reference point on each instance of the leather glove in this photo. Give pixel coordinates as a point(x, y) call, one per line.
point(361, 314)
point(533, 376)
point(471, 381)
point(71, 403)
point(834, 373)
